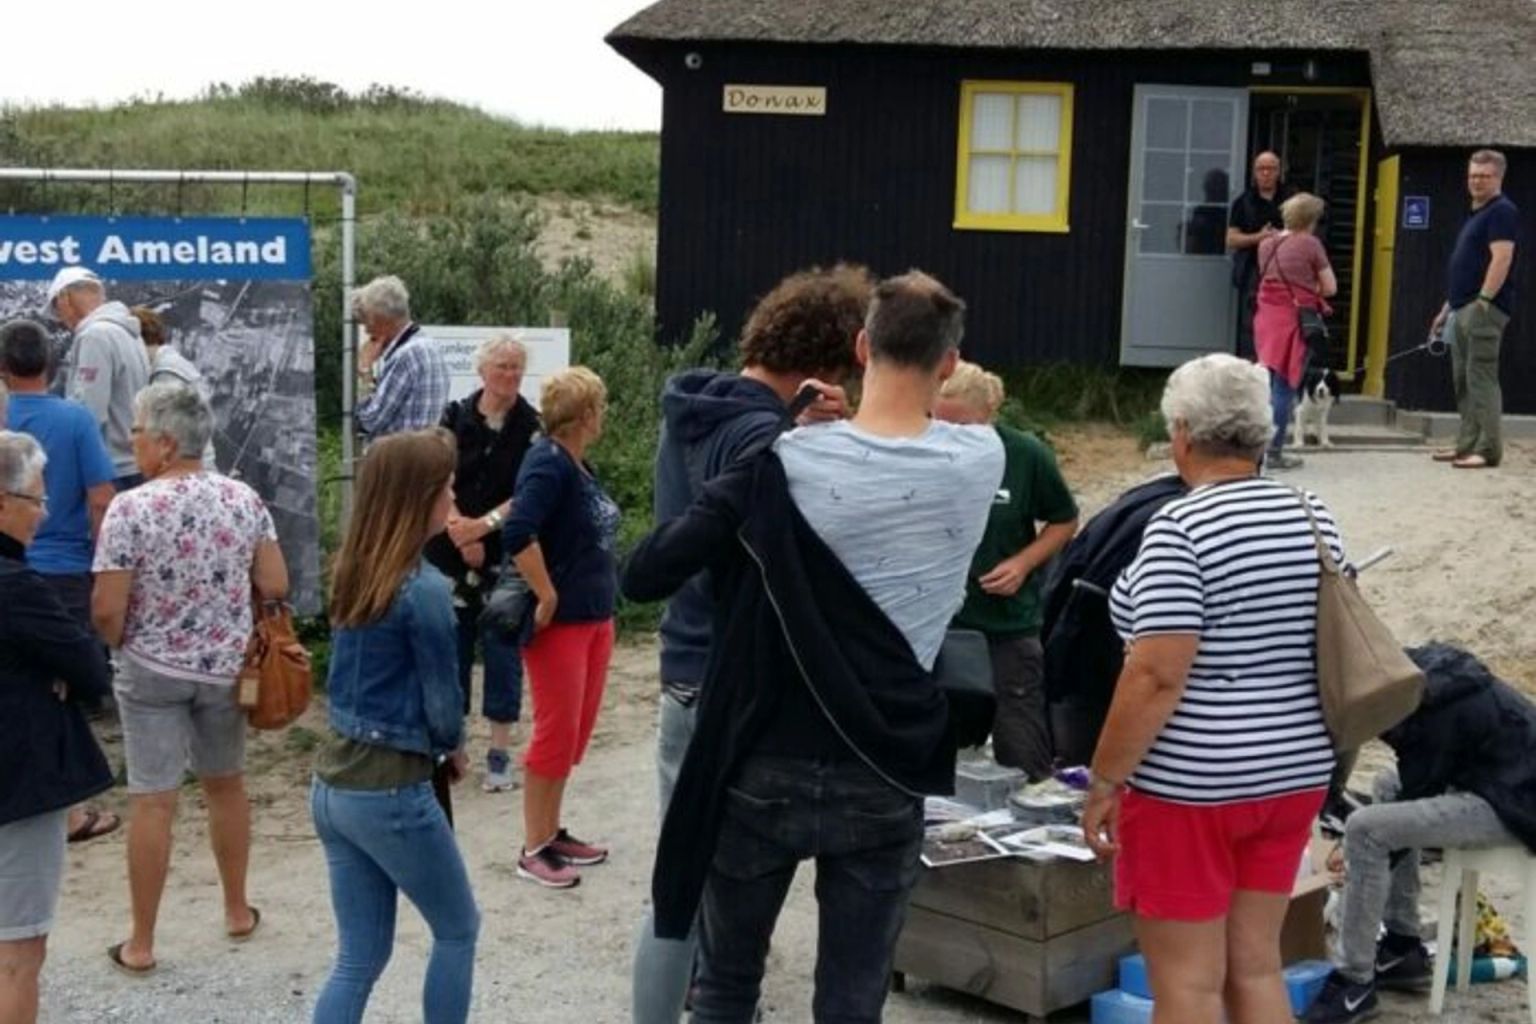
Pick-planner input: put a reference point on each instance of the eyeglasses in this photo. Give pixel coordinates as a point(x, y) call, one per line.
point(40, 500)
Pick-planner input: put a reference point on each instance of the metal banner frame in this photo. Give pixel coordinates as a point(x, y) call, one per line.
point(342, 180)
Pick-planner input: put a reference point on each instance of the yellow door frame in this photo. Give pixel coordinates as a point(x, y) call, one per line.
point(1364, 96)
point(1379, 330)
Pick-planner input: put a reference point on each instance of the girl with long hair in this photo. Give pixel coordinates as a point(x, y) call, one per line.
point(395, 713)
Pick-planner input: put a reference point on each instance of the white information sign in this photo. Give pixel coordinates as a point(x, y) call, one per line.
point(549, 351)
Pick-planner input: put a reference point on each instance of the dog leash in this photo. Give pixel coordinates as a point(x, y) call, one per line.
point(1435, 345)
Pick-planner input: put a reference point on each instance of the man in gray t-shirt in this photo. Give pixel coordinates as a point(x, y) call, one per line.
point(901, 501)
point(903, 513)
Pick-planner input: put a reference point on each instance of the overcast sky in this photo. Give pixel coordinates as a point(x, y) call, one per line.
point(541, 61)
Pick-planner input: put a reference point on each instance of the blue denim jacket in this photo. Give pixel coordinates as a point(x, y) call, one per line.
point(395, 682)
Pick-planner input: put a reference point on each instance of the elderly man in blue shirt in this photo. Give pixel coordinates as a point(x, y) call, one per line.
point(405, 366)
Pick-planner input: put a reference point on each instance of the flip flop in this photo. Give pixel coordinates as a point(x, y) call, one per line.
point(245, 936)
point(93, 828)
point(1472, 462)
point(115, 954)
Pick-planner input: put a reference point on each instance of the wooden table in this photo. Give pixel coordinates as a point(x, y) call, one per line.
point(1036, 936)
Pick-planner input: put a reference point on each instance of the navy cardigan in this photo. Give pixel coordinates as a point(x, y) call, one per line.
point(49, 760)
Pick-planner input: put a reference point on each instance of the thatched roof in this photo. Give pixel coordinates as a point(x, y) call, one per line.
point(1446, 72)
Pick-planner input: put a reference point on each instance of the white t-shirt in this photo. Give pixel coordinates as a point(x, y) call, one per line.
point(190, 541)
point(903, 515)
point(1235, 563)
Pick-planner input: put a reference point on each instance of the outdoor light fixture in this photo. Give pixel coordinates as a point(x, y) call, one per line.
point(693, 60)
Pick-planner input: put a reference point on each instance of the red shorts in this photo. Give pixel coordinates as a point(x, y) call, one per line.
point(567, 668)
point(1183, 862)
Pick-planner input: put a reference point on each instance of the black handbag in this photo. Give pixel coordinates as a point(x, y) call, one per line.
point(963, 672)
point(509, 606)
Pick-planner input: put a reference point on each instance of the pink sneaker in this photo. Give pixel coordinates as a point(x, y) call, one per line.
point(546, 867)
point(576, 851)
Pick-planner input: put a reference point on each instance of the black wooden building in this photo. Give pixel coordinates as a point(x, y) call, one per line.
point(1066, 165)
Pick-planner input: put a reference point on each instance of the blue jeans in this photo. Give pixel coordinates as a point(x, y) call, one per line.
point(379, 843)
point(865, 836)
point(664, 967)
point(1282, 398)
point(501, 690)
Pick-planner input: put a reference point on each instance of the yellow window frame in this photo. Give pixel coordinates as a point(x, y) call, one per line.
point(1056, 220)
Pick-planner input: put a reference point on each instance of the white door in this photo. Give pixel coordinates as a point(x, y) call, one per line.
point(1187, 164)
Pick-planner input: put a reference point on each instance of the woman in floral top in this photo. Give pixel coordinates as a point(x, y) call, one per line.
point(176, 562)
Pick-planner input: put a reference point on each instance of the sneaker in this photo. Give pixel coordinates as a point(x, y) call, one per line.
point(498, 772)
point(1281, 461)
point(1403, 964)
point(547, 868)
point(576, 851)
point(1343, 1002)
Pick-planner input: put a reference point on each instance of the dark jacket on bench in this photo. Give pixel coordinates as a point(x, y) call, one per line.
point(788, 615)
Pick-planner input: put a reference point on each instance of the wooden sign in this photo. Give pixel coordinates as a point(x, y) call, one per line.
point(799, 100)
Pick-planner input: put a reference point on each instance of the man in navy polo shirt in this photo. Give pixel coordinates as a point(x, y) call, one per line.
point(1480, 297)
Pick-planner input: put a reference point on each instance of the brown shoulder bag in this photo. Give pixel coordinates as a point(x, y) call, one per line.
point(276, 684)
point(1366, 683)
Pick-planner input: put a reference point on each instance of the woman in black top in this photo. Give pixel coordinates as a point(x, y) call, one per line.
point(493, 427)
point(49, 760)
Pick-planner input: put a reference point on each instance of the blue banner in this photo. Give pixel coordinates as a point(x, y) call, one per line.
point(156, 248)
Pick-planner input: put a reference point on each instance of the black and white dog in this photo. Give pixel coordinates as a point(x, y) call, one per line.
point(1319, 390)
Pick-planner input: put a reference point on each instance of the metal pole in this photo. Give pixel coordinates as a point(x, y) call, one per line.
point(348, 340)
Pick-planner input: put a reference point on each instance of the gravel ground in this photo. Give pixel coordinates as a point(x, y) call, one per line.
point(1462, 573)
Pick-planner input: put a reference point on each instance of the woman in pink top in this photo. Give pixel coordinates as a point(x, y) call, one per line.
point(1293, 271)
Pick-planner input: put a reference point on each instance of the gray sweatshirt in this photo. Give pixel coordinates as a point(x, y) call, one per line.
point(108, 367)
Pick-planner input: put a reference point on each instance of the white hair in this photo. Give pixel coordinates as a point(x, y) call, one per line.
point(1223, 403)
point(493, 346)
point(21, 460)
point(383, 296)
point(176, 411)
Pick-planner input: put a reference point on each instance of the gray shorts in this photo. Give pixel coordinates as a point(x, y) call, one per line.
point(31, 865)
point(170, 724)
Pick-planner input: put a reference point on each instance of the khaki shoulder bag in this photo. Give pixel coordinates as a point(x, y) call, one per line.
point(1366, 683)
point(276, 683)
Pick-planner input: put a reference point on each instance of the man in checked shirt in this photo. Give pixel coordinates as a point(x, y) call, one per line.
point(406, 366)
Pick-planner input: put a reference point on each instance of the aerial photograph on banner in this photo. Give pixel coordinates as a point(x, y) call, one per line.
point(253, 342)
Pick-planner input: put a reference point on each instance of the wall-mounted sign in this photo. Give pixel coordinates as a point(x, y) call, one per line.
point(800, 100)
point(1416, 213)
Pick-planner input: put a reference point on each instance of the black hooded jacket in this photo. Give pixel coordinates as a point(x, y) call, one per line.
point(789, 619)
point(1471, 732)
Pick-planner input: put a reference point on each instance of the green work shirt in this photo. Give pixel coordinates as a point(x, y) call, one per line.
point(352, 764)
point(1032, 491)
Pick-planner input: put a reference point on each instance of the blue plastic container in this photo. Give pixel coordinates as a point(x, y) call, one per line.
point(1303, 980)
point(1133, 976)
point(1118, 1007)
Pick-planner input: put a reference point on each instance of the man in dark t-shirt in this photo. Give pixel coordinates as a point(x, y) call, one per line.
point(1255, 215)
point(1480, 298)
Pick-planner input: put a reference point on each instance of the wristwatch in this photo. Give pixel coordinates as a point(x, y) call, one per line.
point(494, 518)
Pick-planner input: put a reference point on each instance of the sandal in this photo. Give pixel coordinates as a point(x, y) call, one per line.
point(95, 825)
point(246, 935)
point(115, 954)
point(1446, 455)
point(1472, 462)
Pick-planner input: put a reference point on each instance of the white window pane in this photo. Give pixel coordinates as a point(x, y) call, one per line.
point(992, 121)
point(1167, 123)
point(1163, 228)
point(1212, 124)
point(1039, 123)
point(987, 191)
point(1034, 184)
point(1162, 177)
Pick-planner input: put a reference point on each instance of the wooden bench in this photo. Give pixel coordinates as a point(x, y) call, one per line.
point(1037, 936)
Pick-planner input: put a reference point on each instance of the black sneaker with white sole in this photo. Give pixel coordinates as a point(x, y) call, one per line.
point(1343, 1001)
point(1403, 964)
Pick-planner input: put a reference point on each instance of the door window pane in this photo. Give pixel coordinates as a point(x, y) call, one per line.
point(1167, 123)
point(1039, 123)
point(1034, 188)
point(1208, 180)
point(992, 121)
point(1163, 177)
point(1211, 123)
point(987, 191)
point(1205, 230)
point(1164, 228)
